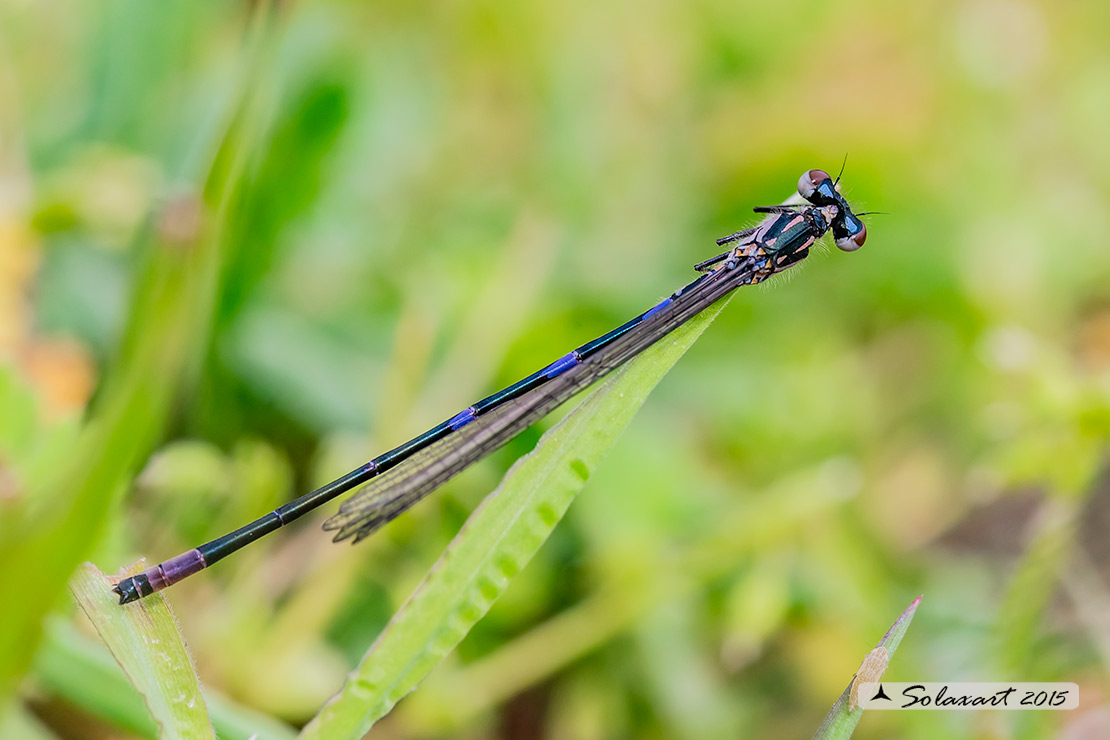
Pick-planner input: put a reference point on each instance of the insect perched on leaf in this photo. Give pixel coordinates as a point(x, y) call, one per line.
point(393, 482)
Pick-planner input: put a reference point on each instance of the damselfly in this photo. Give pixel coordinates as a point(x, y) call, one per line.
point(395, 481)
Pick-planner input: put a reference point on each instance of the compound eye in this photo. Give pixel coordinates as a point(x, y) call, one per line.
point(853, 241)
point(808, 182)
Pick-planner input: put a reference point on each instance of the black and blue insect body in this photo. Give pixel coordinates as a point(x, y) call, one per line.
point(393, 482)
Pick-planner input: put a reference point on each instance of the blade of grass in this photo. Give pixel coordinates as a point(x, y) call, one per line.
point(457, 696)
point(83, 673)
point(845, 714)
point(145, 642)
point(1034, 583)
point(497, 542)
point(60, 519)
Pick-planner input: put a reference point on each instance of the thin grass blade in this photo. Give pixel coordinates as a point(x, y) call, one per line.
point(845, 714)
point(147, 644)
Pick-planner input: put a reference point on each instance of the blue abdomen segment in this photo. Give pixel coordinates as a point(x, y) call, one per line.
point(461, 419)
point(561, 365)
point(572, 359)
point(658, 307)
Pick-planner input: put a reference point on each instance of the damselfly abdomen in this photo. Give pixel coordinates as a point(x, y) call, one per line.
point(393, 482)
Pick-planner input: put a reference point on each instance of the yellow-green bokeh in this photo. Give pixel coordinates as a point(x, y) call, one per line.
point(430, 200)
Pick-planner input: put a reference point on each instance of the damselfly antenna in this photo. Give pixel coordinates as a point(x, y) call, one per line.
point(841, 173)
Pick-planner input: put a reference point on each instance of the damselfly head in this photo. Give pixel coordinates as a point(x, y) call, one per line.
point(821, 190)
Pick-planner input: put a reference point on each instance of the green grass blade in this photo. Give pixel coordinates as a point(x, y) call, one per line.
point(457, 696)
point(83, 673)
point(57, 522)
point(146, 643)
point(845, 714)
point(60, 519)
point(497, 541)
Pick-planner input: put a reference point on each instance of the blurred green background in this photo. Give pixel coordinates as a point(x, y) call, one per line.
point(375, 213)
